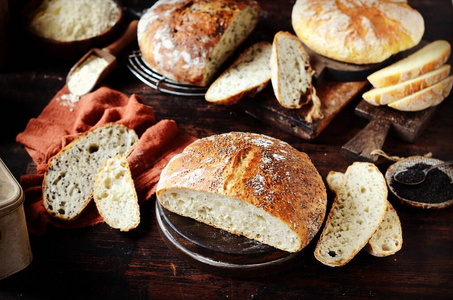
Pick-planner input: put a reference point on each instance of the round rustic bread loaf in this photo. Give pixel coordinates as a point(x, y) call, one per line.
point(247, 184)
point(187, 41)
point(359, 32)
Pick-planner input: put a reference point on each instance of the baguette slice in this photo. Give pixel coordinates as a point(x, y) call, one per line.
point(115, 195)
point(356, 214)
point(389, 94)
point(69, 179)
point(246, 77)
point(431, 96)
point(429, 58)
point(291, 72)
point(388, 238)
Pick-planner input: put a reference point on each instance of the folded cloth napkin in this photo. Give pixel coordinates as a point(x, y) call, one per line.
point(62, 120)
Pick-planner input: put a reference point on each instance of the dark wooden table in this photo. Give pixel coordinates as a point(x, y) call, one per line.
point(103, 263)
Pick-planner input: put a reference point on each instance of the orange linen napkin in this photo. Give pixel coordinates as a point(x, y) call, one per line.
point(62, 121)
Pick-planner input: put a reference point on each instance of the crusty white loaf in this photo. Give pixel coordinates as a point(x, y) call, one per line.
point(359, 32)
point(428, 58)
point(69, 179)
point(388, 238)
point(356, 213)
point(247, 184)
point(389, 94)
point(247, 76)
point(430, 96)
point(187, 41)
point(115, 195)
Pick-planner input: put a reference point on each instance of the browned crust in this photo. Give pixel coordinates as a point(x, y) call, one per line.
point(260, 170)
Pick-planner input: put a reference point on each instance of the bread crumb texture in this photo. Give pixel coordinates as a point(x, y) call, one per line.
point(356, 213)
point(247, 184)
point(69, 178)
point(115, 195)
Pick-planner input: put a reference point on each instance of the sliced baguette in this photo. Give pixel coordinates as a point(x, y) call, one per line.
point(69, 179)
point(429, 58)
point(388, 238)
point(115, 195)
point(389, 94)
point(431, 96)
point(247, 76)
point(356, 213)
point(291, 72)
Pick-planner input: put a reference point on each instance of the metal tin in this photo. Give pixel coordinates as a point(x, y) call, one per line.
point(15, 252)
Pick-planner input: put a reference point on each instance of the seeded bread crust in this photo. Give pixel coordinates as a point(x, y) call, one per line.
point(69, 179)
point(359, 32)
point(357, 211)
point(388, 238)
point(247, 184)
point(188, 41)
point(246, 77)
point(115, 195)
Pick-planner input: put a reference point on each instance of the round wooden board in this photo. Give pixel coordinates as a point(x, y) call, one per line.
point(218, 251)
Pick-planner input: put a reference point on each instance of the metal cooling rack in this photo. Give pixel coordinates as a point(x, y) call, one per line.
point(150, 77)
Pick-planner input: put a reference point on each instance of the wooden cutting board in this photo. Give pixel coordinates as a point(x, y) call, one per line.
point(406, 126)
point(218, 251)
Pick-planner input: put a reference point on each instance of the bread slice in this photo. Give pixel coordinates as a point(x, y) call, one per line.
point(69, 179)
point(388, 238)
point(115, 195)
point(356, 213)
point(430, 57)
point(247, 184)
point(431, 96)
point(248, 75)
point(389, 94)
point(291, 72)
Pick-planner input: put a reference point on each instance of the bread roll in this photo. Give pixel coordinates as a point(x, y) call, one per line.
point(359, 32)
point(69, 178)
point(247, 184)
point(187, 41)
point(247, 76)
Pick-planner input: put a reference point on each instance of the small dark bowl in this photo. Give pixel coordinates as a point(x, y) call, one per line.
point(67, 50)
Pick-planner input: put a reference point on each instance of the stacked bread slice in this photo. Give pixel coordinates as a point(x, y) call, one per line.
point(358, 210)
point(414, 83)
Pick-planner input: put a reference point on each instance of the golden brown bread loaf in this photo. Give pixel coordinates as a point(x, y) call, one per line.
point(247, 184)
point(187, 41)
point(360, 32)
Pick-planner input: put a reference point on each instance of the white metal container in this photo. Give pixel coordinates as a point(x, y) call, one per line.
point(15, 252)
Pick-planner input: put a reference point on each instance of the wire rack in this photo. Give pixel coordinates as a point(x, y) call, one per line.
point(138, 66)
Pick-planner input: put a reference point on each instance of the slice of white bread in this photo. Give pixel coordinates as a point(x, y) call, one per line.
point(246, 77)
point(388, 238)
point(69, 179)
point(431, 96)
point(291, 72)
point(429, 58)
point(115, 195)
point(356, 213)
point(389, 94)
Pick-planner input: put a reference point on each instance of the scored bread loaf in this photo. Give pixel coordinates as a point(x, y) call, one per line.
point(115, 195)
point(428, 58)
point(430, 96)
point(69, 178)
point(388, 238)
point(356, 213)
point(247, 76)
point(359, 32)
point(188, 40)
point(247, 184)
point(291, 75)
point(386, 95)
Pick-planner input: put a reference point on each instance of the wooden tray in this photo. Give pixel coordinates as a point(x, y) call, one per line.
point(218, 251)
